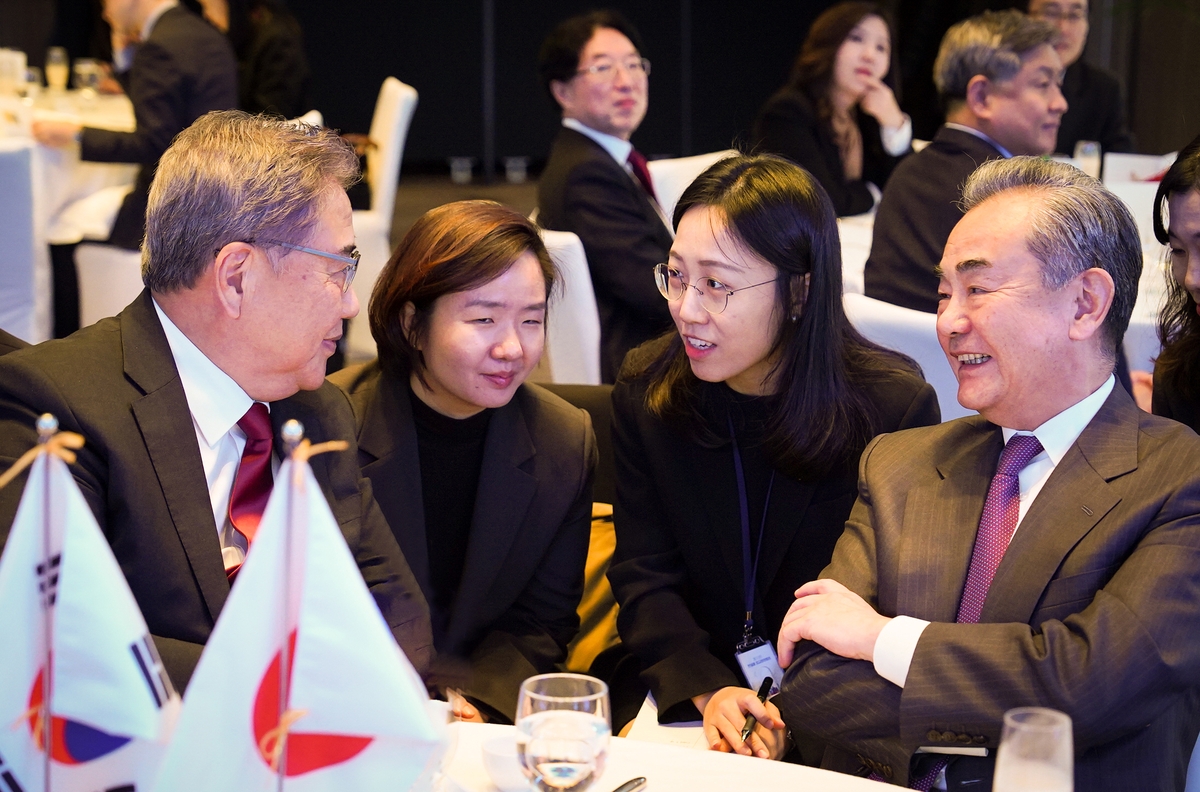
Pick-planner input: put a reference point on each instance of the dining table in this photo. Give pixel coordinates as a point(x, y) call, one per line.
point(666, 768)
point(51, 196)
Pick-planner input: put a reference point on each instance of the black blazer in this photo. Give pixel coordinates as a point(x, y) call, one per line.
point(677, 569)
point(1094, 111)
point(116, 384)
point(918, 211)
point(183, 70)
point(584, 190)
point(523, 576)
point(788, 125)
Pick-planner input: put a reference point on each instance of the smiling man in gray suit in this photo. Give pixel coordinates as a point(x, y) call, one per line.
point(1044, 553)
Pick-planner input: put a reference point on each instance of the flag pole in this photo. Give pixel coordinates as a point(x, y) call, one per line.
point(47, 427)
point(292, 434)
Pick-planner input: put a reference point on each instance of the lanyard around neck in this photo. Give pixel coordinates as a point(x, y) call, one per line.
point(749, 568)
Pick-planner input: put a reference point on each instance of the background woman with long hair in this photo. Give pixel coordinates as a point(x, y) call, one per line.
point(736, 439)
point(837, 116)
point(1177, 224)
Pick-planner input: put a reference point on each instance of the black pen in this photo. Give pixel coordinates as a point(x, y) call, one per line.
point(751, 721)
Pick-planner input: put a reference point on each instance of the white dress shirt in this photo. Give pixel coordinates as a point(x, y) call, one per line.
point(216, 403)
point(973, 131)
point(897, 641)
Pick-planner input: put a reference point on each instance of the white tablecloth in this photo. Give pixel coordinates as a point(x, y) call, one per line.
point(666, 768)
point(59, 185)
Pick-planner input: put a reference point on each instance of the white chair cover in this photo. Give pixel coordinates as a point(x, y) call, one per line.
point(25, 274)
point(573, 325)
point(672, 176)
point(389, 128)
point(109, 279)
point(915, 334)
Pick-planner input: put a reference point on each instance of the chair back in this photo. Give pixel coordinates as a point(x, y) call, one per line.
point(573, 326)
point(109, 279)
point(672, 176)
point(24, 278)
point(913, 333)
point(389, 129)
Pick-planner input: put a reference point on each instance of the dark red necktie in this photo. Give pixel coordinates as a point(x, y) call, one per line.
point(638, 164)
point(996, 526)
point(252, 485)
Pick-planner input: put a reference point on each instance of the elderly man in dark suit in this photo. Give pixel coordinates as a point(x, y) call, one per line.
point(998, 75)
point(597, 185)
point(248, 260)
point(1044, 553)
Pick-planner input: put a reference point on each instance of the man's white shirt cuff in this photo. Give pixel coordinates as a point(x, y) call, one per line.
point(895, 646)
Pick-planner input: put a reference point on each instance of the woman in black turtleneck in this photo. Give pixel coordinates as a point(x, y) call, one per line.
point(485, 480)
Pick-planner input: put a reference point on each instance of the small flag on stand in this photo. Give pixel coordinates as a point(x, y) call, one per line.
point(301, 685)
point(74, 638)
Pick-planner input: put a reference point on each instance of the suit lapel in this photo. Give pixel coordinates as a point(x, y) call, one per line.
point(164, 419)
point(501, 503)
point(940, 523)
point(1073, 500)
point(389, 438)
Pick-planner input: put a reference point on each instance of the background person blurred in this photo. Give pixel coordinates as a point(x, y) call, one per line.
point(485, 479)
point(837, 117)
point(596, 184)
point(1094, 107)
point(1177, 224)
point(997, 75)
point(273, 74)
point(763, 396)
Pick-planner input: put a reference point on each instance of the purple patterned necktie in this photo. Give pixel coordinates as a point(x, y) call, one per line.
point(996, 527)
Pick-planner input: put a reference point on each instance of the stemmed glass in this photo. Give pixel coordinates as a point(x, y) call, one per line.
point(563, 725)
point(1036, 752)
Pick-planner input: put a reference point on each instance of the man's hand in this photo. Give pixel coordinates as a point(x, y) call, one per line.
point(55, 134)
point(827, 612)
point(725, 715)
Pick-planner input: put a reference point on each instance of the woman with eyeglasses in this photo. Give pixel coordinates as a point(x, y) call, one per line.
point(737, 438)
point(1177, 225)
point(485, 479)
point(837, 117)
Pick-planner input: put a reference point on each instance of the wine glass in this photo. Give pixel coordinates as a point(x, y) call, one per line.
point(58, 69)
point(1036, 752)
point(563, 726)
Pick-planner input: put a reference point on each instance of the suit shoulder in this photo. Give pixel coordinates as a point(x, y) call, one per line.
point(550, 412)
point(896, 396)
point(357, 384)
point(96, 348)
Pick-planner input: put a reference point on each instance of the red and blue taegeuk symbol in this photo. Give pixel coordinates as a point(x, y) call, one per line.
point(71, 742)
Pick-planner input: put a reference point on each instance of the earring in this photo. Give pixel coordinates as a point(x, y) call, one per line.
point(795, 318)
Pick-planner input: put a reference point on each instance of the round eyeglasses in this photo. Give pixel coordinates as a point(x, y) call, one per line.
point(604, 69)
point(714, 295)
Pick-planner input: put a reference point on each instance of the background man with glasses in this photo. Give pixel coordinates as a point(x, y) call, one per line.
point(1095, 110)
point(248, 259)
point(596, 184)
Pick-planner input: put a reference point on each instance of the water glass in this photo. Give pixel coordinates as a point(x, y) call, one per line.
point(563, 725)
point(58, 69)
point(1036, 752)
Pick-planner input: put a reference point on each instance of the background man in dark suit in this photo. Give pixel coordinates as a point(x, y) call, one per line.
point(248, 259)
point(597, 185)
point(175, 67)
point(929, 624)
point(1096, 111)
point(998, 77)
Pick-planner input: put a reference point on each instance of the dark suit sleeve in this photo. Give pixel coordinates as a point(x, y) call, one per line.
point(156, 89)
point(648, 576)
point(278, 70)
point(532, 636)
point(622, 248)
point(789, 128)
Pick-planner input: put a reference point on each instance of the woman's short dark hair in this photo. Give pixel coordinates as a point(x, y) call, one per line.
point(453, 248)
point(822, 415)
point(812, 73)
point(558, 59)
point(1178, 324)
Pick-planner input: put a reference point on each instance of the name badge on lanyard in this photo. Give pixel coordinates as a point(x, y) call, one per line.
point(755, 655)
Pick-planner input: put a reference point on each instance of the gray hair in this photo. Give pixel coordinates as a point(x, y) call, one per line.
point(234, 177)
point(1077, 225)
point(992, 44)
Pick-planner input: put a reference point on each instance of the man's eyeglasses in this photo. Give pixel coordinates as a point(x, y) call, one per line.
point(351, 261)
point(1054, 15)
point(605, 69)
point(714, 295)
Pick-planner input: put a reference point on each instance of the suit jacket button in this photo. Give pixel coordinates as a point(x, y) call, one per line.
point(949, 736)
point(934, 735)
point(979, 739)
point(886, 772)
point(964, 739)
